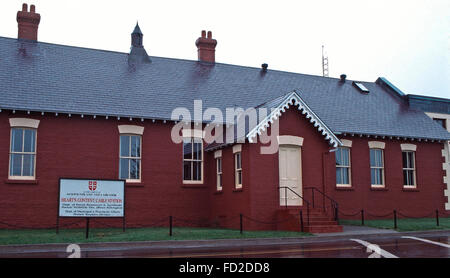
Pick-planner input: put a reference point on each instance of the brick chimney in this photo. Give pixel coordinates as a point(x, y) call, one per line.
point(206, 46)
point(28, 22)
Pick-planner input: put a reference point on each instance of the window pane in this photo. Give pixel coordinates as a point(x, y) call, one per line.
point(16, 140)
point(372, 158)
point(408, 177)
point(376, 158)
point(187, 148)
point(135, 146)
point(405, 159)
point(345, 157)
point(220, 180)
point(380, 158)
point(405, 177)
point(411, 177)
point(197, 148)
point(28, 165)
point(197, 171)
point(408, 159)
point(376, 176)
point(15, 165)
point(238, 160)
point(411, 159)
point(29, 140)
point(339, 176)
point(338, 157)
point(373, 176)
point(187, 170)
point(219, 165)
point(123, 168)
point(345, 179)
point(134, 169)
point(239, 177)
point(124, 145)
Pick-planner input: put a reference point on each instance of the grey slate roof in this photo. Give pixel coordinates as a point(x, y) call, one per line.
point(56, 78)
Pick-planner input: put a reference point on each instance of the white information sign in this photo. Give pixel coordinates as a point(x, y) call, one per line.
point(91, 198)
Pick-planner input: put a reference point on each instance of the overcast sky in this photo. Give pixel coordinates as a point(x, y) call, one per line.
point(408, 42)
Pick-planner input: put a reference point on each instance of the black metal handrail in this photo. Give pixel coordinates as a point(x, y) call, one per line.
point(295, 193)
point(334, 204)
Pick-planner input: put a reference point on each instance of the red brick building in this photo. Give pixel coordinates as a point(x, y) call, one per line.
point(340, 146)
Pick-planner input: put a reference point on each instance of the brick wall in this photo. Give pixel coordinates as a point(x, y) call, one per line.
point(259, 198)
point(89, 148)
point(86, 148)
point(425, 199)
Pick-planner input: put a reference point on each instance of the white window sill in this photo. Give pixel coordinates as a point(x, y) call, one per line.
point(344, 185)
point(21, 178)
point(192, 182)
point(378, 188)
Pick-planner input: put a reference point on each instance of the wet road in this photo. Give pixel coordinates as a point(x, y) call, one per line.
point(401, 246)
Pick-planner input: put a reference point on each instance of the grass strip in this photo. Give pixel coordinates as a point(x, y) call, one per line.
point(8, 237)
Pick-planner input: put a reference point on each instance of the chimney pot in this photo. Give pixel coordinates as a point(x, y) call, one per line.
point(209, 35)
point(264, 66)
point(203, 34)
point(24, 7)
point(343, 77)
point(32, 9)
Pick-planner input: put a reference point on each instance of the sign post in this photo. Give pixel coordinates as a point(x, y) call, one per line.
point(88, 198)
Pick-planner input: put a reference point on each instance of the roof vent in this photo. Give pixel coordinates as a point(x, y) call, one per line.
point(264, 67)
point(361, 87)
point(343, 77)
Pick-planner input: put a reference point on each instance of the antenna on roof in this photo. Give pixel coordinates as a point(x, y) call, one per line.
point(324, 63)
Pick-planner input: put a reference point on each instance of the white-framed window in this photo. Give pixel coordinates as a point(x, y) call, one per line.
point(130, 156)
point(219, 173)
point(238, 169)
point(192, 160)
point(218, 158)
point(22, 154)
point(343, 168)
point(377, 167)
point(409, 168)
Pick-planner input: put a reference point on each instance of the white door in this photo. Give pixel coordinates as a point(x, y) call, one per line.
point(290, 176)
